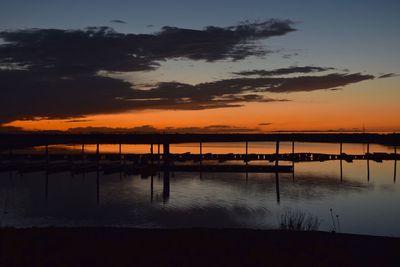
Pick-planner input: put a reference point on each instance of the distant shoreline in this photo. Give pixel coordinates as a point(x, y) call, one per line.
point(8, 141)
point(191, 247)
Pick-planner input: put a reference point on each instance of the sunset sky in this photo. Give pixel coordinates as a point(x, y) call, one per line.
point(200, 66)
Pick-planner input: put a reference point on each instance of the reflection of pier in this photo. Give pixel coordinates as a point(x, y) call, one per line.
point(142, 163)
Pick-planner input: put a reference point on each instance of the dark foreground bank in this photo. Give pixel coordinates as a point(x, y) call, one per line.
point(192, 247)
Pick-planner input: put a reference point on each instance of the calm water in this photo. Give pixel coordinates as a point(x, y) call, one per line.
point(211, 199)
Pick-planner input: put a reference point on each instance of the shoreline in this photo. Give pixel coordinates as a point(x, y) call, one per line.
point(106, 246)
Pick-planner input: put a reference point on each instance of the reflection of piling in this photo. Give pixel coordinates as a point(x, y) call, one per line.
point(97, 173)
point(166, 186)
point(98, 184)
point(151, 188)
point(278, 196)
point(247, 160)
point(166, 159)
point(201, 158)
point(293, 159)
point(368, 161)
point(47, 172)
point(341, 162)
point(395, 164)
point(46, 186)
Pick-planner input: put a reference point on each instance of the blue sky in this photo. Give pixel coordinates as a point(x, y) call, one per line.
point(364, 32)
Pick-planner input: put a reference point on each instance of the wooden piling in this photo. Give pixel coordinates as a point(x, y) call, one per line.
point(277, 153)
point(97, 151)
point(247, 152)
point(47, 153)
point(151, 154)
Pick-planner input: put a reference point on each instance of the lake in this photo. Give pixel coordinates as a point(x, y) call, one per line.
point(364, 205)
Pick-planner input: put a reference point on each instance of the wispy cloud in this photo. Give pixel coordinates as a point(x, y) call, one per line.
point(388, 75)
point(118, 21)
point(283, 71)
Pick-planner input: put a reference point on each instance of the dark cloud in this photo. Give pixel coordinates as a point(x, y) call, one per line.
point(312, 83)
point(27, 94)
point(388, 75)
point(264, 123)
point(78, 120)
point(118, 21)
point(283, 71)
point(101, 48)
point(10, 129)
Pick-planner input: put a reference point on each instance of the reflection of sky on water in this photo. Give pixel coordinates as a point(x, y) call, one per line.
point(223, 148)
point(212, 200)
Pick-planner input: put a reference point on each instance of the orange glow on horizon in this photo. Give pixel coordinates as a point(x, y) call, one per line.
point(284, 116)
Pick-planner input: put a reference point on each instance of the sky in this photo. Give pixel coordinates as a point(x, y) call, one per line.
point(200, 66)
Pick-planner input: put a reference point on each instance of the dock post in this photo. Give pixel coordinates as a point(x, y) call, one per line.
point(158, 154)
point(151, 154)
point(247, 152)
point(201, 152)
point(97, 151)
point(120, 150)
point(166, 154)
point(277, 153)
point(83, 151)
point(47, 153)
